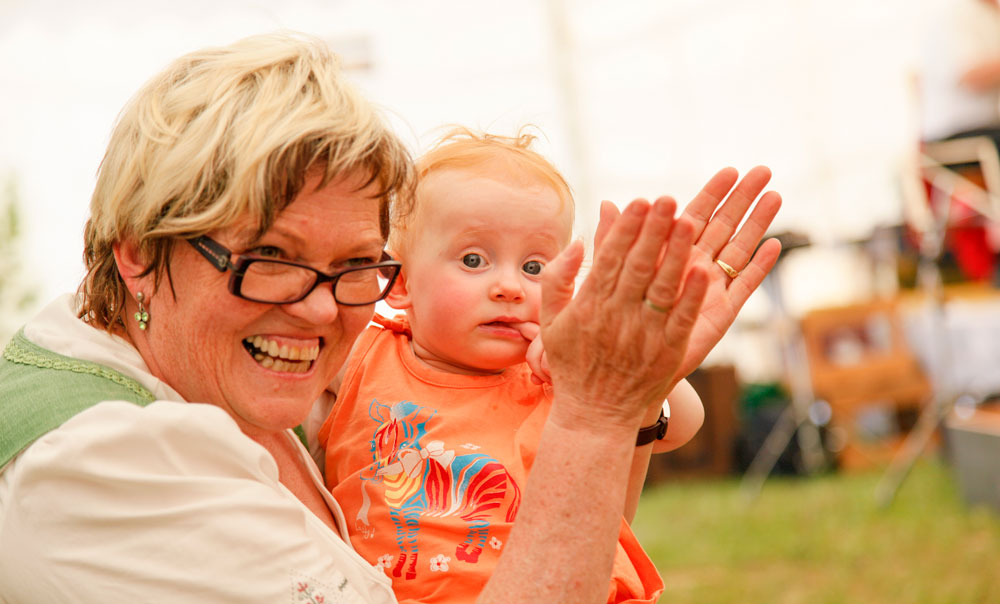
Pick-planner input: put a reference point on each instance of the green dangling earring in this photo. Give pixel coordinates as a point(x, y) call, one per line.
point(141, 315)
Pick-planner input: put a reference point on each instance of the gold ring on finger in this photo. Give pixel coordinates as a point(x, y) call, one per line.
point(732, 272)
point(655, 306)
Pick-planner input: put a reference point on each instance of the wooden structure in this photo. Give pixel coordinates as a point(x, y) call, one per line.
point(710, 451)
point(861, 365)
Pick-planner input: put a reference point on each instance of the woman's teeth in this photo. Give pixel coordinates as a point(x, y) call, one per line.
point(278, 357)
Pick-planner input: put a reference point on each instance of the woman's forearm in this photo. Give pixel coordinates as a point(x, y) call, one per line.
point(562, 546)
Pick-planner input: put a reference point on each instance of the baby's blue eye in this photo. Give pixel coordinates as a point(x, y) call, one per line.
point(472, 260)
point(532, 267)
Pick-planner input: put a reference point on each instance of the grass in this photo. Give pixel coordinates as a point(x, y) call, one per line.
point(822, 540)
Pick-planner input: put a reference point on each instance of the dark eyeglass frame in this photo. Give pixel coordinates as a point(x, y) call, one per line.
point(219, 256)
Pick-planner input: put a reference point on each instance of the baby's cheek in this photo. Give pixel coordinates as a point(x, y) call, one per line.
point(534, 300)
point(454, 299)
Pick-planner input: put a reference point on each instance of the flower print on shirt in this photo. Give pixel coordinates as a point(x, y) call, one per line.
point(439, 563)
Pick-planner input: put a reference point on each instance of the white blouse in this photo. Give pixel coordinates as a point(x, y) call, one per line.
point(164, 503)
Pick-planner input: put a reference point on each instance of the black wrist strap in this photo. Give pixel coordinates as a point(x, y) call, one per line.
point(654, 432)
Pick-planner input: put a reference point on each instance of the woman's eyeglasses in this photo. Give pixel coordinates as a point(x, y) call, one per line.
point(280, 282)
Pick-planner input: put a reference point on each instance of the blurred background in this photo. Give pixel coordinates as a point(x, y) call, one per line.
point(639, 98)
point(873, 346)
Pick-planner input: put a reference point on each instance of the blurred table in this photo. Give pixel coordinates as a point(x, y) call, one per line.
point(961, 353)
point(973, 448)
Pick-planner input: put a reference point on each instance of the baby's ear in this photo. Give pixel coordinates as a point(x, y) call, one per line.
point(399, 295)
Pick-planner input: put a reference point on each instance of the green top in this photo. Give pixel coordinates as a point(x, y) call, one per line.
point(41, 389)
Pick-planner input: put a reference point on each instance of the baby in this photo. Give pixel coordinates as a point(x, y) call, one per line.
point(437, 416)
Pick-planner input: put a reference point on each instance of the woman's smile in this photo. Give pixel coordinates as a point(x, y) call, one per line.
point(272, 353)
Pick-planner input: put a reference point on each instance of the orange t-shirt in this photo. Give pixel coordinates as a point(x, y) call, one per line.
point(429, 466)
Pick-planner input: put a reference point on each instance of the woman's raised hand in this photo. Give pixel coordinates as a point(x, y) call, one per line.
point(715, 241)
point(614, 348)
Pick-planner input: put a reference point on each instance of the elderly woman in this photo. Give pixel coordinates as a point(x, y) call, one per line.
point(234, 252)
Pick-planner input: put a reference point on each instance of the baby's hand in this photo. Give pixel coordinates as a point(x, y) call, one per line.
point(535, 357)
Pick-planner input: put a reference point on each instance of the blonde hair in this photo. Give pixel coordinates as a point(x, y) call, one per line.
point(462, 148)
point(224, 133)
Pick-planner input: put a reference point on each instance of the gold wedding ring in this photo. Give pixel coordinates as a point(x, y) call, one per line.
point(732, 272)
point(655, 306)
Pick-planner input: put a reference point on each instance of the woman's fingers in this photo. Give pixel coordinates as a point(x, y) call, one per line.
point(662, 292)
point(609, 213)
point(753, 274)
point(609, 260)
point(740, 248)
point(643, 257)
point(685, 311)
point(720, 229)
point(701, 208)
